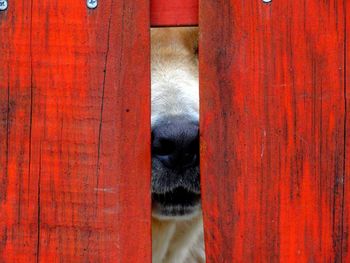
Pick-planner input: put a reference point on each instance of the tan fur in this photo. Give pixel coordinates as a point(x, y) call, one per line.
point(175, 91)
point(174, 72)
point(177, 241)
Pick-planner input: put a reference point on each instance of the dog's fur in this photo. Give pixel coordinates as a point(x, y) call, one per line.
point(175, 239)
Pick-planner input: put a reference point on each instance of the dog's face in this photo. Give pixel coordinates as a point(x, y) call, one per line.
point(175, 130)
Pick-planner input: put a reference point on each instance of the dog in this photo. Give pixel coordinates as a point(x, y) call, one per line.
point(177, 225)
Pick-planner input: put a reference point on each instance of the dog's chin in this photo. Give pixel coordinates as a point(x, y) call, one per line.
point(177, 204)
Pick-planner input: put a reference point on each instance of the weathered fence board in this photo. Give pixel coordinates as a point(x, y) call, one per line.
point(75, 155)
point(272, 130)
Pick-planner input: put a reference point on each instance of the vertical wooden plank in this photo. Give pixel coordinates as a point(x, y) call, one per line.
point(272, 130)
point(346, 227)
point(90, 138)
point(18, 188)
point(75, 132)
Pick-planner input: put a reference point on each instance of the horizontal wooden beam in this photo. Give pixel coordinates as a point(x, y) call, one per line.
point(174, 12)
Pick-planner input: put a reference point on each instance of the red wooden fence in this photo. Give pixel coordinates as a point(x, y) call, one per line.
point(74, 129)
point(74, 133)
point(273, 117)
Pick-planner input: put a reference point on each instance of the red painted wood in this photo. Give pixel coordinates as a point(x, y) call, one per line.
point(272, 130)
point(346, 226)
point(80, 77)
point(174, 12)
point(18, 188)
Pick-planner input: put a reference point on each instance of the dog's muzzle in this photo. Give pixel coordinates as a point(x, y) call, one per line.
point(175, 167)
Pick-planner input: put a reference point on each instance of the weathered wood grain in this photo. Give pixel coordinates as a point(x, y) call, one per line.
point(79, 131)
point(174, 12)
point(272, 130)
point(18, 188)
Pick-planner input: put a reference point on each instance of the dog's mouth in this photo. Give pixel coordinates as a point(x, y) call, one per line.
point(178, 196)
point(177, 202)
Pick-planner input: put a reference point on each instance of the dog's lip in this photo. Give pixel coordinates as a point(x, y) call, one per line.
point(178, 196)
point(175, 212)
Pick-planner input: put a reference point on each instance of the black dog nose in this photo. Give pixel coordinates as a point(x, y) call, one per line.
point(175, 142)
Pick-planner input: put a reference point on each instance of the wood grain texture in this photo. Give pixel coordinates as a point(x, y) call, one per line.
point(83, 132)
point(272, 130)
point(18, 188)
point(174, 12)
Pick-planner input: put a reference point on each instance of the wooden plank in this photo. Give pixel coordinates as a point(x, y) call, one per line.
point(90, 133)
point(272, 130)
point(346, 227)
point(174, 12)
point(18, 188)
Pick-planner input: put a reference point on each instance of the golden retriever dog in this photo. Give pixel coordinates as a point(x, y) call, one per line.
point(177, 228)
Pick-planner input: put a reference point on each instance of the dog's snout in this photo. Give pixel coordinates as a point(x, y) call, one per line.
point(175, 143)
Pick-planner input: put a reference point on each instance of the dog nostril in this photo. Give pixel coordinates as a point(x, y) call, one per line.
point(163, 147)
point(191, 154)
point(189, 159)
